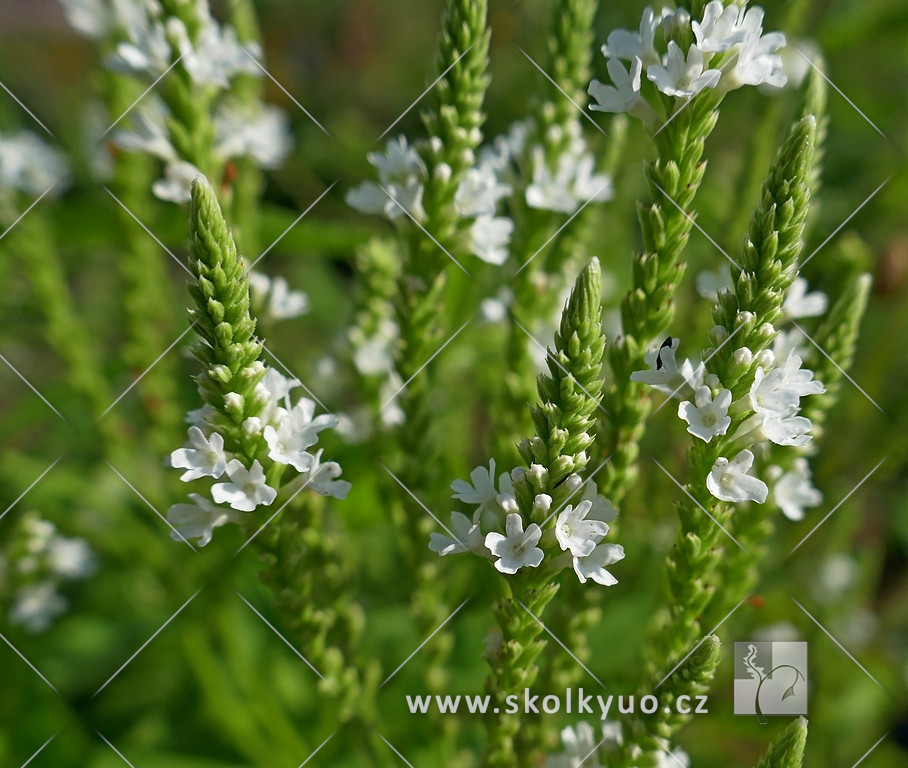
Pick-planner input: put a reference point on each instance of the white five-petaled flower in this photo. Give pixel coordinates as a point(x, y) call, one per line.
point(577, 534)
point(593, 565)
point(489, 238)
point(730, 481)
point(665, 375)
point(205, 457)
point(287, 444)
point(247, 488)
point(707, 417)
point(199, 519)
point(466, 537)
point(482, 490)
point(680, 76)
point(480, 191)
point(515, 549)
point(321, 477)
point(624, 95)
point(624, 44)
point(794, 491)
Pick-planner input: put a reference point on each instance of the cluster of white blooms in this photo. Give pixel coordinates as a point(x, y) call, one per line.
point(147, 43)
point(286, 432)
point(681, 57)
point(497, 531)
point(33, 565)
point(28, 164)
point(768, 413)
point(272, 300)
point(508, 166)
point(582, 748)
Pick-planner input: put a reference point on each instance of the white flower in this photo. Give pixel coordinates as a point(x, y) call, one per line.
point(205, 457)
point(681, 77)
point(516, 549)
point(577, 534)
point(247, 488)
point(600, 507)
point(593, 565)
point(260, 132)
point(580, 744)
point(87, 17)
point(711, 284)
point(287, 445)
point(70, 558)
point(489, 238)
point(405, 198)
point(277, 386)
point(322, 478)
point(665, 375)
point(399, 161)
point(769, 396)
point(548, 191)
point(216, 55)
point(479, 192)
point(481, 490)
point(707, 417)
point(29, 165)
point(147, 51)
point(274, 299)
point(199, 519)
point(368, 197)
point(798, 303)
point(794, 491)
point(623, 44)
point(176, 186)
point(757, 62)
point(719, 30)
point(730, 481)
point(786, 430)
point(307, 423)
point(36, 606)
point(149, 132)
point(624, 96)
point(372, 355)
point(467, 537)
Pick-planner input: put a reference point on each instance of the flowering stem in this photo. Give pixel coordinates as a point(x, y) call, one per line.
point(541, 276)
point(454, 126)
point(647, 310)
point(149, 324)
point(569, 395)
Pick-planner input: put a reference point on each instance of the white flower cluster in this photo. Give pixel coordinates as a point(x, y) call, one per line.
point(272, 300)
point(578, 531)
point(506, 167)
point(28, 164)
point(147, 44)
point(35, 562)
point(286, 431)
point(681, 57)
point(768, 413)
point(582, 748)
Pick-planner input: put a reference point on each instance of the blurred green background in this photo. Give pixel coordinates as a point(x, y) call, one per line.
point(217, 687)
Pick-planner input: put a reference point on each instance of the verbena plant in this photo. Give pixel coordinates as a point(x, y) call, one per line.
point(503, 233)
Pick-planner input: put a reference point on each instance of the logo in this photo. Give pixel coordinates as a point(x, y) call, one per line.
point(770, 679)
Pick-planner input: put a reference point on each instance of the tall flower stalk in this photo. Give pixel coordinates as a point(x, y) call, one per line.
point(690, 63)
point(739, 399)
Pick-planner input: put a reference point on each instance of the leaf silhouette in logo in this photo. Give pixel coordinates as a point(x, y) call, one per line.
point(753, 670)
